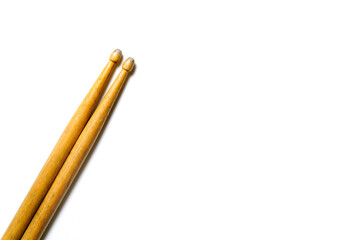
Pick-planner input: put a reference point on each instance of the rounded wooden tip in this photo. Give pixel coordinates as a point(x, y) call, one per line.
point(128, 65)
point(115, 55)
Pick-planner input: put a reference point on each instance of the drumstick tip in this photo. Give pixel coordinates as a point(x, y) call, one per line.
point(115, 55)
point(128, 65)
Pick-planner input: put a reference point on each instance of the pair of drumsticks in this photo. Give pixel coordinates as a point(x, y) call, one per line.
point(67, 156)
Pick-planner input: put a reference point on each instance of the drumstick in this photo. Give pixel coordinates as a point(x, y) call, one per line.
point(76, 158)
point(59, 154)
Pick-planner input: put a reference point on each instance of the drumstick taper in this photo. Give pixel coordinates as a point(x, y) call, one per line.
point(76, 158)
point(59, 154)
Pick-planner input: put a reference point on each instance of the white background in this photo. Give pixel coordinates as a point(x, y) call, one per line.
point(241, 120)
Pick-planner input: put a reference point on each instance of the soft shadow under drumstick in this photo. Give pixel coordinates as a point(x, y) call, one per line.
point(59, 154)
point(76, 158)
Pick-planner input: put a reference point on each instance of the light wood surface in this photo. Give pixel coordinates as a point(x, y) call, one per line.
point(76, 158)
point(59, 154)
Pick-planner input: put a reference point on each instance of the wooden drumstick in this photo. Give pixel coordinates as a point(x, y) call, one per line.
point(59, 154)
point(76, 158)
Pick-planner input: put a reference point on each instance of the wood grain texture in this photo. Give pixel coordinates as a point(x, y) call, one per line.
point(59, 154)
point(76, 158)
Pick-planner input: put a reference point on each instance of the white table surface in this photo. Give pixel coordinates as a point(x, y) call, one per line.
point(241, 120)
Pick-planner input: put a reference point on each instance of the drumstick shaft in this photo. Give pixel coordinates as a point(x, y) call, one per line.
point(59, 154)
point(75, 159)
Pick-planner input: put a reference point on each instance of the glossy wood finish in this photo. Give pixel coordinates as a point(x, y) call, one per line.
point(59, 154)
point(76, 158)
